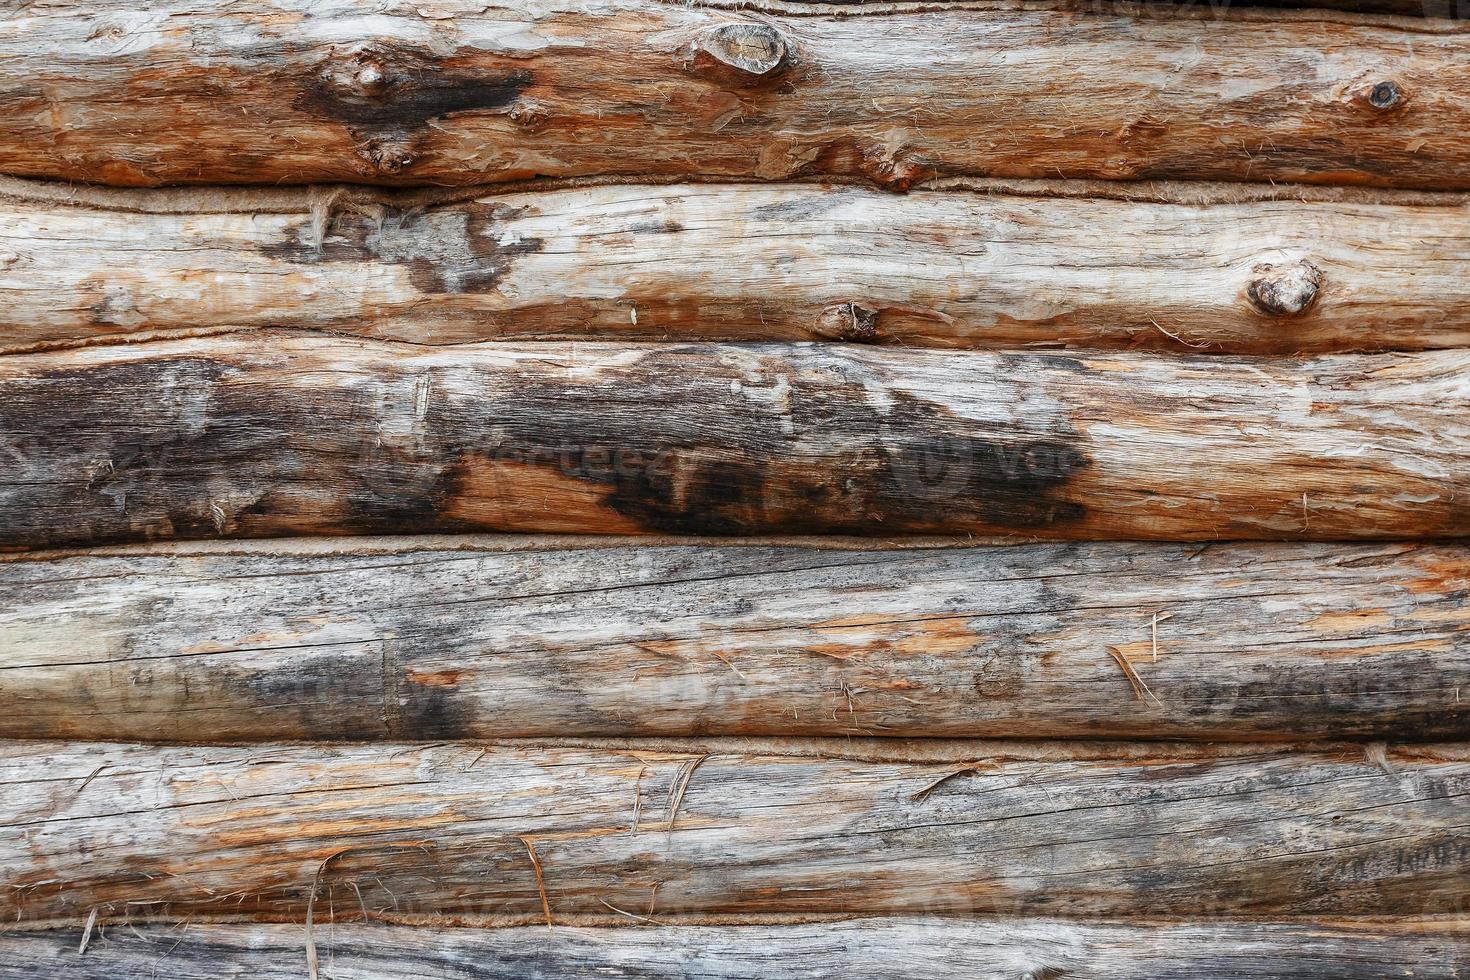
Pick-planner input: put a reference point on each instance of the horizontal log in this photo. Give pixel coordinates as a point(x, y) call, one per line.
point(286, 641)
point(1401, 8)
point(747, 262)
point(1404, 8)
point(469, 833)
point(911, 948)
point(458, 91)
point(276, 435)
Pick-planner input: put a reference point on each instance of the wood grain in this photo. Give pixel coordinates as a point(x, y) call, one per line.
point(454, 91)
point(278, 640)
point(1406, 8)
point(501, 833)
point(276, 435)
point(881, 949)
point(654, 263)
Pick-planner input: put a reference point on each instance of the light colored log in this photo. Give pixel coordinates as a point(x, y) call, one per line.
point(1406, 8)
point(729, 262)
point(458, 91)
point(502, 833)
point(881, 949)
point(440, 640)
point(1403, 8)
point(275, 435)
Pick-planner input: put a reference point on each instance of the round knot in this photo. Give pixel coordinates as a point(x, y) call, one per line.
point(1378, 95)
point(370, 79)
point(1288, 289)
point(756, 50)
point(849, 322)
point(1384, 95)
point(387, 157)
point(361, 74)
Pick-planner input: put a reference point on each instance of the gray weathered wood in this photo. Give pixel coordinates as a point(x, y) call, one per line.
point(448, 639)
point(274, 435)
point(518, 833)
point(461, 91)
point(729, 262)
point(881, 949)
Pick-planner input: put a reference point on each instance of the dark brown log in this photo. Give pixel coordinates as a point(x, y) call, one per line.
point(453, 91)
point(455, 639)
point(880, 949)
point(525, 834)
point(1206, 273)
point(275, 435)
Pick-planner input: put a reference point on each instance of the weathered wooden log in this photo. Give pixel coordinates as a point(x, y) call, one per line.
point(275, 435)
point(486, 834)
point(748, 262)
point(882, 949)
point(453, 91)
point(296, 641)
point(1405, 8)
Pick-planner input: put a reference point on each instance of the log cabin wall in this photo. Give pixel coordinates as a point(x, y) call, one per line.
point(735, 489)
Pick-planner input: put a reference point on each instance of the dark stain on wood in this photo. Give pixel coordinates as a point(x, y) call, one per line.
point(332, 697)
point(446, 251)
point(187, 447)
point(423, 705)
point(664, 227)
point(275, 434)
point(812, 203)
point(898, 471)
point(400, 90)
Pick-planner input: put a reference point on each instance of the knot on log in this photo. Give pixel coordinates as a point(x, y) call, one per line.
point(528, 114)
point(395, 89)
point(754, 50)
point(361, 74)
point(1384, 95)
point(370, 79)
point(1284, 290)
point(850, 323)
point(1379, 95)
point(885, 162)
point(387, 157)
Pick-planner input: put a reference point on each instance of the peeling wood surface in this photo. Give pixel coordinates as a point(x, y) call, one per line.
point(274, 435)
point(453, 91)
point(755, 739)
point(1236, 641)
point(522, 833)
point(912, 948)
point(731, 262)
point(1403, 8)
